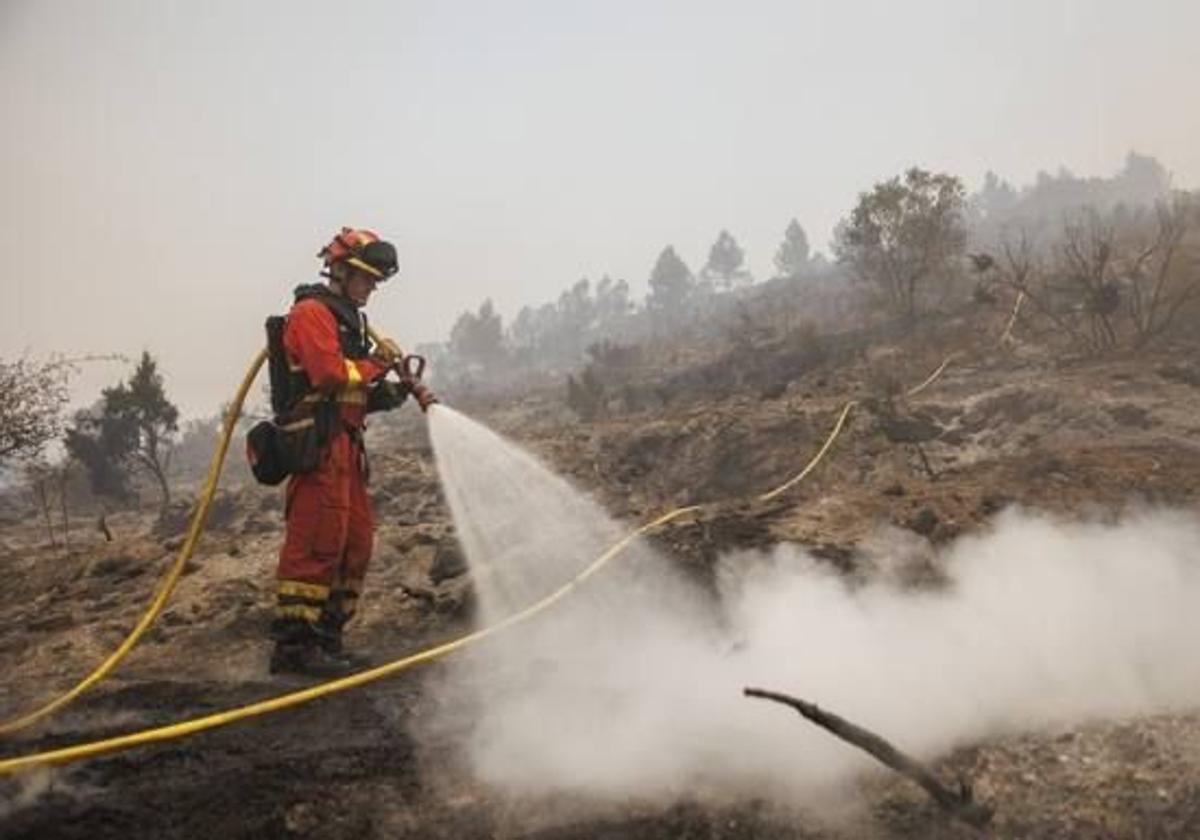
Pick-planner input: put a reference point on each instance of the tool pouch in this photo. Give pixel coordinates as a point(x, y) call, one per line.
point(263, 453)
point(290, 444)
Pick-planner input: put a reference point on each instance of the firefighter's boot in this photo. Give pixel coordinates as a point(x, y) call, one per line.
point(330, 631)
point(298, 650)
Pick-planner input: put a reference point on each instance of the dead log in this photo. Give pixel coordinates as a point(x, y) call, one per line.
point(961, 803)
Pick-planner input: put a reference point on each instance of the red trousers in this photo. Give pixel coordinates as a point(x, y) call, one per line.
point(330, 534)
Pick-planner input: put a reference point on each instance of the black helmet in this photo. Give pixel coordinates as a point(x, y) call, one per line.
point(362, 249)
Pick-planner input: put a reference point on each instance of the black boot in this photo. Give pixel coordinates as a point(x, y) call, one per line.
point(298, 650)
point(330, 629)
point(332, 646)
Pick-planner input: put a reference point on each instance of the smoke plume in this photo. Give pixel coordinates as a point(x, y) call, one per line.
point(632, 685)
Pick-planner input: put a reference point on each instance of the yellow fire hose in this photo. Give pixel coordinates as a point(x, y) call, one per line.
point(188, 727)
point(800, 476)
point(171, 579)
point(295, 698)
point(929, 380)
point(1012, 320)
point(183, 728)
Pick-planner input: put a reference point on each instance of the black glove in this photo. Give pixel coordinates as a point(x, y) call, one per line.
point(385, 396)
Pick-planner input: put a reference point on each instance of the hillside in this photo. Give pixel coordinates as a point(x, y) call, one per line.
point(999, 429)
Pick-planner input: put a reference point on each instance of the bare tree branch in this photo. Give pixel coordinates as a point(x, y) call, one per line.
point(960, 804)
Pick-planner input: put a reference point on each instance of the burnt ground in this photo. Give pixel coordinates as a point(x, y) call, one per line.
point(1079, 438)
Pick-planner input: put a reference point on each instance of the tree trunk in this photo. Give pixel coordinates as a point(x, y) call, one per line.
point(162, 486)
point(62, 501)
point(39, 494)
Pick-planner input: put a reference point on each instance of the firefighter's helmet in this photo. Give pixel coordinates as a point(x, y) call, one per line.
point(362, 249)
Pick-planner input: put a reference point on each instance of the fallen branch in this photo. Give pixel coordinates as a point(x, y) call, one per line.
point(961, 803)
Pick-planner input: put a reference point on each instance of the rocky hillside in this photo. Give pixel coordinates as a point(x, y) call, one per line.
point(999, 427)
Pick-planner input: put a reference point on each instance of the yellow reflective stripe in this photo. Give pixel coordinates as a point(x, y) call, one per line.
point(357, 263)
point(353, 377)
point(315, 591)
point(298, 611)
point(356, 396)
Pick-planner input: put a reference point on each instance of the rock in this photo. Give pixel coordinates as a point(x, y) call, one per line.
point(993, 503)
point(448, 562)
point(923, 523)
point(946, 531)
point(108, 566)
point(118, 568)
point(842, 557)
point(914, 429)
point(774, 391)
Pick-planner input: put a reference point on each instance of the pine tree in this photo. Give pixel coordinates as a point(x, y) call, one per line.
point(725, 259)
point(671, 285)
point(141, 403)
point(792, 258)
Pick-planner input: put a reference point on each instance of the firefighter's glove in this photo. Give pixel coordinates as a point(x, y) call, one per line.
point(385, 396)
point(388, 352)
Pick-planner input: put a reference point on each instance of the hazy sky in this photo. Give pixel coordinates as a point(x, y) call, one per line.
point(169, 169)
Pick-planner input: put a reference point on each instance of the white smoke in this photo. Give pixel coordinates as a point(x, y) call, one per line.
point(638, 692)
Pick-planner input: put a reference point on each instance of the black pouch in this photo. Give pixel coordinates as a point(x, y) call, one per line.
point(263, 453)
point(299, 442)
point(289, 445)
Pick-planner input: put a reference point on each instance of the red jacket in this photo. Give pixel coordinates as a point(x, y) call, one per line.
point(312, 344)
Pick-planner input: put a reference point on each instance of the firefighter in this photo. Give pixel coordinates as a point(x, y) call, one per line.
point(337, 376)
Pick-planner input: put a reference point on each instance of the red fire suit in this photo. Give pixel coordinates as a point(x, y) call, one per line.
point(330, 522)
